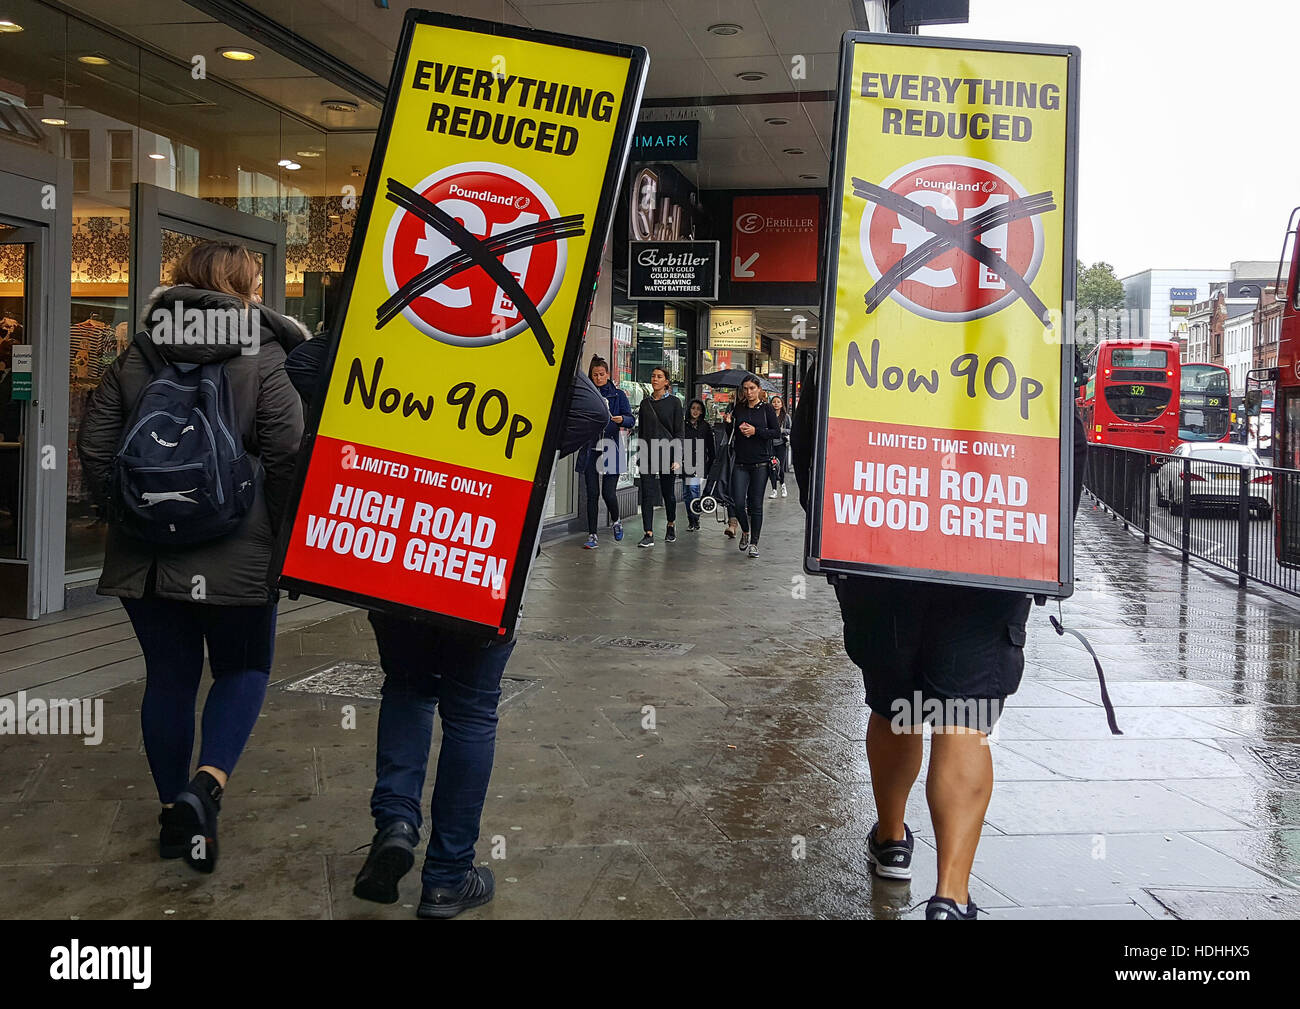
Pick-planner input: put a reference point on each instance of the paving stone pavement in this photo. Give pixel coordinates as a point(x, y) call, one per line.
point(681, 737)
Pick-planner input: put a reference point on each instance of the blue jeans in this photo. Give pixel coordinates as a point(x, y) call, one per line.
point(424, 667)
point(241, 644)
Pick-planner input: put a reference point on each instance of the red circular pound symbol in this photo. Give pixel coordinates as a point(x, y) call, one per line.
point(953, 286)
point(470, 308)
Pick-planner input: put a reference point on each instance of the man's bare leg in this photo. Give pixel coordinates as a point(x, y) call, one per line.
point(958, 788)
point(895, 759)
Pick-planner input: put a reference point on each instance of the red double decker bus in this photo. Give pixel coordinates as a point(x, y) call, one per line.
point(1204, 403)
point(1132, 395)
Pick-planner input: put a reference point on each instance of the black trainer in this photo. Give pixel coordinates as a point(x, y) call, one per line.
point(947, 909)
point(647, 541)
point(392, 853)
point(194, 817)
point(447, 902)
point(671, 535)
point(891, 859)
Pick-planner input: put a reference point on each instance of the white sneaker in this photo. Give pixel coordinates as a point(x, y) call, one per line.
point(783, 493)
point(773, 494)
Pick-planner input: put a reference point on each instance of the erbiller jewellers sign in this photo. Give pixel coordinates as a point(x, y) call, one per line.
point(669, 271)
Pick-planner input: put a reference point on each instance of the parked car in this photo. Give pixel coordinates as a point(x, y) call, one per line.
point(1213, 478)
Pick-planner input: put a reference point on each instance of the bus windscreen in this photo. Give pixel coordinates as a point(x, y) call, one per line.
point(1138, 404)
point(1204, 407)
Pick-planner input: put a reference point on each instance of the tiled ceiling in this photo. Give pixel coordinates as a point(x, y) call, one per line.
point(689, 65)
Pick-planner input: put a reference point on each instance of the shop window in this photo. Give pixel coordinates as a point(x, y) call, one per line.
point(640, 346)
point(121, 163)
point(78, 142)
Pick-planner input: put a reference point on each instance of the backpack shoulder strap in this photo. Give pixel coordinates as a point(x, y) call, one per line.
point(149, 352)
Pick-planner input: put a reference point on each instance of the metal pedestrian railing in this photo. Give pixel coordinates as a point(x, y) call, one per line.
point(1245, 519)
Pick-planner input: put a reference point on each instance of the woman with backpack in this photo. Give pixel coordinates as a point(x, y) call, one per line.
point(193, 443)
point(661, 425)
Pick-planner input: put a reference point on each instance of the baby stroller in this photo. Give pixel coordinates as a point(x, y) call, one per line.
point(717, 484)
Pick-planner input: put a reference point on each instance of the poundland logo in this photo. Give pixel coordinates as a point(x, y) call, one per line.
point(75, 962)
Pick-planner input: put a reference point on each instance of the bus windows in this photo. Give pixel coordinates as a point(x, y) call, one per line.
point(1204, 405)
point(1138, 357)
point(1136, 402)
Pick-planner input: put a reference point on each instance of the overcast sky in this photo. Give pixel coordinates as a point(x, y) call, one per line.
point(1189, 150)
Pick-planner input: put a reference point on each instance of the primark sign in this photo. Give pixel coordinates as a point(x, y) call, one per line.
point(672, 271)
point(671, 141)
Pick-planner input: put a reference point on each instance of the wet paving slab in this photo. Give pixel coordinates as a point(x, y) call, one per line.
point(681, 736)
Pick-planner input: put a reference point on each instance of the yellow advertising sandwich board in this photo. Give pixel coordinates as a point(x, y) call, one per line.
point(946, 402)
point(468, 286)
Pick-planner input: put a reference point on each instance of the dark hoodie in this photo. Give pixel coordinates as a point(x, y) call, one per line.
point(269, 414)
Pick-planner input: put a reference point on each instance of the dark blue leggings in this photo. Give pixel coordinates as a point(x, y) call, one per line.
point(241, 643)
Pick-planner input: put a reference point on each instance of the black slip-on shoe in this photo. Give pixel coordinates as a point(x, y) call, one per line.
point(173, 838)
point(947, 909)
point(891, 859)
point(196, 810)
point(392, 853)
point(447, 902)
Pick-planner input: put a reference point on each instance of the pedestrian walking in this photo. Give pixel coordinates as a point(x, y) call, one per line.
point(188, 555)
point(957, 651)
point(755, 426)
point(780, 447)
point(698, 453)
point(429, 671)
point(661, 426)
point(605, 459)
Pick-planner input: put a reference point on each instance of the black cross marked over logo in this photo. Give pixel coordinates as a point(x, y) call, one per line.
point(964, 236)
point(484, 253)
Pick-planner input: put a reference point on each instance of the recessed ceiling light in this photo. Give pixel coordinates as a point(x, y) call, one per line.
point(340, 105)
point(777, 121)
point(8, 27)
point(238, 54)
point(794, 151)
point(156, 156)
point(55, 122)
point(285, 162)
point(725, 29)
point(752, 75)
point(94, 61)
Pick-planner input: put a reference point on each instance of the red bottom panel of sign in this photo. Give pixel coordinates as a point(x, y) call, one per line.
point(408, 530)
point(942, 500)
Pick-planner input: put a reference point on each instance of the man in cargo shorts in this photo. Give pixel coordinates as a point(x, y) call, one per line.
point(929, 652)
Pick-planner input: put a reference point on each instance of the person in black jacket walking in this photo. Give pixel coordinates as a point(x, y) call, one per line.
point(213, 592)
point(698, 453)
point(756, 426)
point(780, 447)
point(661, 424)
